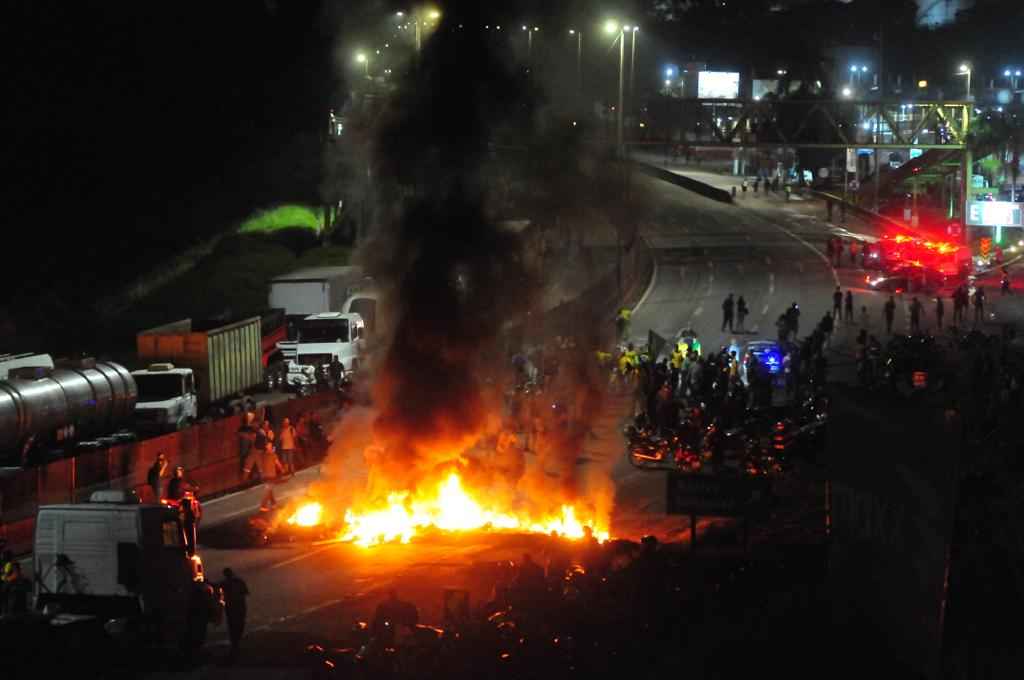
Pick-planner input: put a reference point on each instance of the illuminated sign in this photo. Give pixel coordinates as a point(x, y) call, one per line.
point(994, 214)
point(718, 85)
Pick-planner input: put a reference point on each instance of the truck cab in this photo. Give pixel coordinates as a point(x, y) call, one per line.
point(320, 339)
point(124, 564)
point(168, 398)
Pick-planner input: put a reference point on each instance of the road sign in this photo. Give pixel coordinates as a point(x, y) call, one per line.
point(994, 214)
point(707, 496)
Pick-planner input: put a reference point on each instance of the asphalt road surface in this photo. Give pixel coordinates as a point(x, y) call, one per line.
point(767, 250)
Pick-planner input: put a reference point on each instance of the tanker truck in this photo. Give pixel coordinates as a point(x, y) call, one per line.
point(85, 403)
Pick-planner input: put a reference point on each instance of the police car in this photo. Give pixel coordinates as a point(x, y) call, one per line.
point(769, 355)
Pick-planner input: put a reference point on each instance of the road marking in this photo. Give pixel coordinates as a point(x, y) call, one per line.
point(698, 311)
point(771, 284)
point(650, 284)
point(682, 271)
point(764, 311)
point(767, 260)
point(297, 558)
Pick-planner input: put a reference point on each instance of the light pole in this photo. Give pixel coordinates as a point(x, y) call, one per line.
point(632, 62)
point(612, 27)
point(361, 58)
point(529, 42)
point(579, 57)
point(965, 70)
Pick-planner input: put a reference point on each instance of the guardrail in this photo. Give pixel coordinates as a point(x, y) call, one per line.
point(209, 452)
point(686, 182)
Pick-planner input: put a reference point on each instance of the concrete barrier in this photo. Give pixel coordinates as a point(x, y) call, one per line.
point(693, 185)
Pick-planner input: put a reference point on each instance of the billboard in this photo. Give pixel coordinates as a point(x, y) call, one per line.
point(718, 85)
point(994, 214)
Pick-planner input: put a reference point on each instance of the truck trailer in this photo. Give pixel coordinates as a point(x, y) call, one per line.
point(314, 290)
point(193, 366)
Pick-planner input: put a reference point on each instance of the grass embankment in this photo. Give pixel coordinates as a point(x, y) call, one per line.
point(284, 217)
point(233, 279)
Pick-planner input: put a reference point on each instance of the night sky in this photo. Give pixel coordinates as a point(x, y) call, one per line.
point(134, 128)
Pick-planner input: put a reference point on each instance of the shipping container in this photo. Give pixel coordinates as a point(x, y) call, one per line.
point(227, 359)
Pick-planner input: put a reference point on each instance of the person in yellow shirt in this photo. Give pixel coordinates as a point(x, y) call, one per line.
point(622, 322)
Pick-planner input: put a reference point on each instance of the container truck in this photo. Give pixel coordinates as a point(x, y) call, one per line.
point(314, 290)
point(193, 366)
point(124, 567)
point(323, 340)
point(59, 410)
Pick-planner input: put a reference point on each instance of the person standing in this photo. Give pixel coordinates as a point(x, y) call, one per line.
point(940, 310)
point(915, 315)
point(827, 325)
point(288, 440)
point(741, 314)
point(890, 312)
point(270, 468)
point(235, 608)
point(839, 253)
point(979, 305)
point(728, 306)
point(246, 437)
point(1004, 288)
point(157, 474)
point(958, 310)
point(830, 248)
point(837, 303)
point(848, 307)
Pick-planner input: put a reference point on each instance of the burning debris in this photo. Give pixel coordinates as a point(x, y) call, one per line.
point(454, 279)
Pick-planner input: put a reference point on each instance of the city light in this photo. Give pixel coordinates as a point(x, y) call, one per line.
point(964, 68)
point(610, 26)
point(853, 69)
point(1006, 73)
point(863, 69)
point(361, 58)
point(669, 72)
point(668, 83)
point(922, 84)
point(434, 15)
point(399, 14)
point(572, 31)
point(636, 28)
point(847, 92)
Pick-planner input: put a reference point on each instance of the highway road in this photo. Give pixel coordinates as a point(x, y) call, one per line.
point(766, 250)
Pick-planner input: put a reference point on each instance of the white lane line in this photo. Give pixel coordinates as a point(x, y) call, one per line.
point(650, 284)
point(298, 558)
point(814, 250)
point(771, 283)
point(698, 311)
point(764, 310)
point(304, 612)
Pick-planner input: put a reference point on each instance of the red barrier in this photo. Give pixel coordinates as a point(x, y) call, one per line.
point(208, 451)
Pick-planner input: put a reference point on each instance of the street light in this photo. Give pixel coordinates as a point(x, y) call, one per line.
point(612, 27)
point(361, 58)
point(579, 57)
point(632, 61)
point(965, 70)
point(847, 92)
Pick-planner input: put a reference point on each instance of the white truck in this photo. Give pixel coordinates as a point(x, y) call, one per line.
point(321, 340)
point(26, 364)
point(194, 365)
point(124, 566)
point(314, 290)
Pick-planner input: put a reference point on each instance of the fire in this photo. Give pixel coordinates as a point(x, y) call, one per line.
point(448, 506)
point(307, 515)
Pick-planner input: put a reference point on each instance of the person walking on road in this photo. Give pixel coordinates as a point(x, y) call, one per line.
point(837, 303)
point(865, 320)
point(741, 314)
point(890, 312)
point(915, 315)
point(156, 476)
point(235, 608)
point(827, 325)
point(939, 311)
point(830, 248)
point(728, 306)
point(839, 253)
point(1004, 287)
point(979, 305)
point(848, 307)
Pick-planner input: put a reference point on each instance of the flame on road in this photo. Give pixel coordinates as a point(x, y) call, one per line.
point(448, 506)
point(307, 515)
